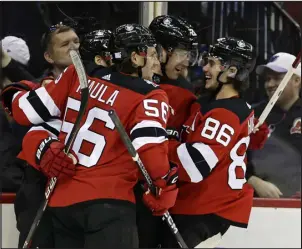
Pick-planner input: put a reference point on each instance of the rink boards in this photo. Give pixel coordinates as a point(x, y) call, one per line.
point(273, 224)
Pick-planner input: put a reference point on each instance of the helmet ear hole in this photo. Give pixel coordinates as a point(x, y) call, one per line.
point(232, 72)
point(98, 60)
point(242, 75)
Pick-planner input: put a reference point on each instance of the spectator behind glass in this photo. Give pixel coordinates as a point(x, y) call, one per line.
point(57, 42)
point(11, 170)
point(14, 50)
point(276, 169)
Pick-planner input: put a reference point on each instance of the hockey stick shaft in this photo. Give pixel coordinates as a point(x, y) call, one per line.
point(278, 91)
point(76, 60)
point(124, 136)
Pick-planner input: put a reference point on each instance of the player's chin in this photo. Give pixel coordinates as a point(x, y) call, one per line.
point(65, 63)
point(148, 77)
point(173, 74)
point(210, 85)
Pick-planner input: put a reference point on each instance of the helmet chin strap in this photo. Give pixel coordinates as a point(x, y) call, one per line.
point(220, 83)
point(163, 65)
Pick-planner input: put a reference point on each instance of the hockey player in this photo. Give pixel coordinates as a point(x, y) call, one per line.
point(93, 203)
point(213, 193)
point(95, 51)
point(179, 43)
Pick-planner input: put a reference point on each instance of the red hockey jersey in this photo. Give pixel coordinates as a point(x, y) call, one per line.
point(181, 99)
point(105, 169)
point(213, 162)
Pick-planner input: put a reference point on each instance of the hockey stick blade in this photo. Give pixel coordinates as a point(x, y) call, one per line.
point(278, 92)
point(76, 60)
point(135, 157)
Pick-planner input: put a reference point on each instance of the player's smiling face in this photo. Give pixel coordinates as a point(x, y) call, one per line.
point(178, 63)
point(211, 71)
point(152, 64)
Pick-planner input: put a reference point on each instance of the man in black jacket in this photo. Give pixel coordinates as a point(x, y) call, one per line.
point(11, 167)
point(56, 42)
point(275, 170)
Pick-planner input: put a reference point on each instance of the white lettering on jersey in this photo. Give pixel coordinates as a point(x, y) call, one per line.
point(97, 91)
point(212, 126)
point(154, 111)
point(112, 98)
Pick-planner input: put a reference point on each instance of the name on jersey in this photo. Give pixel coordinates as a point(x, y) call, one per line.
point(102, 92)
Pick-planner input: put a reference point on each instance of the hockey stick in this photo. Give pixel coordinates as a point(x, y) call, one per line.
point(135, 157)
point(278, 92)
point(76, 60)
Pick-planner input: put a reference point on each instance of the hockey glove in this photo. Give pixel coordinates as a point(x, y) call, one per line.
point(166, 194)
point(172, 134)
point(9, 91)
point(259, 138)
point(53, 161)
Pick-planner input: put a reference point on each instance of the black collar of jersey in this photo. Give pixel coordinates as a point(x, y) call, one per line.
point(206, 98)
point(135, 84)
point(180, 82)
point(92, 69)
point(234, 104)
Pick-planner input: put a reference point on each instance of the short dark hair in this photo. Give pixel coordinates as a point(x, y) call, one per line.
point(53, 30)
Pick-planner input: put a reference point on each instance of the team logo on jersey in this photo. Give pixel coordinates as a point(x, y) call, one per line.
point(107, 77)
point(167, 21)
point(296, 128)
point(129, 27)
point(241, 44)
